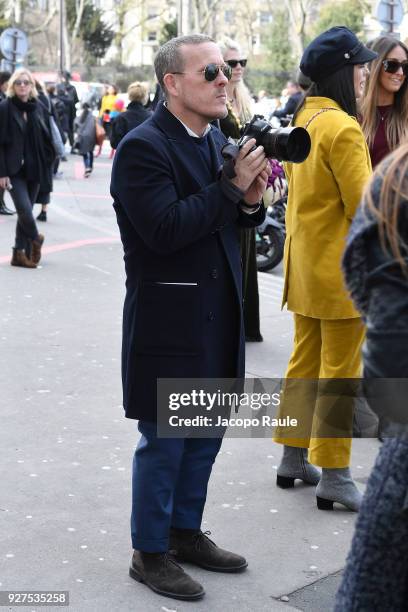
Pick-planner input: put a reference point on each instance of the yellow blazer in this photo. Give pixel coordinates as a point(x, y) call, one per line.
point(108, 103)
point(324, 192)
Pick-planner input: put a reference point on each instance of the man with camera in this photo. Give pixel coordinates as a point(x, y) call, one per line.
point(177, 214)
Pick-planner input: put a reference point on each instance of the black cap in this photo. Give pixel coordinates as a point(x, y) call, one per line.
point(332, 50)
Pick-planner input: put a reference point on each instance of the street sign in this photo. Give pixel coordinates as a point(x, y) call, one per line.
point(13, 44)
point(390, 13)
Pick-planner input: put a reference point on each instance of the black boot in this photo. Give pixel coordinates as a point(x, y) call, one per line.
point(195, 547)
point(4, 210)
point(163, 575)
point(42, 216)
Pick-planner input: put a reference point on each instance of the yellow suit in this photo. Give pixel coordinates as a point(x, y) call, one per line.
point(324, 192)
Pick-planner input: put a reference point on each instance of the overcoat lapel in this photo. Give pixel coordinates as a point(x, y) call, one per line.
point(18, 118)
point(184, 148)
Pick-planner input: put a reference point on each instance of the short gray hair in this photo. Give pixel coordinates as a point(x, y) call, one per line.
point(169, 58)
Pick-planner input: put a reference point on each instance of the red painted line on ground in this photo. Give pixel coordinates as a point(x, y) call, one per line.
point(82, 195)
point(65, 246)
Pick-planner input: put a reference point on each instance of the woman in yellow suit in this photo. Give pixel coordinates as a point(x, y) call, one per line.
point(324, 192)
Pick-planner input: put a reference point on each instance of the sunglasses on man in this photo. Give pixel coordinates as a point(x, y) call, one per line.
point(211, 71)
point(234, 63)
point(392, 66)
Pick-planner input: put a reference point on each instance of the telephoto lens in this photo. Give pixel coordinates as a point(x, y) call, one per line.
point(290, 144)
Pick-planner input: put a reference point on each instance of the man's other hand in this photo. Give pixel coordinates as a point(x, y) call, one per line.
point(248, 166)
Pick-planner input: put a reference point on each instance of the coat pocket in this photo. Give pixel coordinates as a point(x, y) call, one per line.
point(167, 319)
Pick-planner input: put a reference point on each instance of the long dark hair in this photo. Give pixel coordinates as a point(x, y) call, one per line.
point(339, 87)
point(85, 112)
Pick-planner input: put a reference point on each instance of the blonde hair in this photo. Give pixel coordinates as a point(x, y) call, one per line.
point(17, 74)
point(243, 99)
point(396, 126)
point(393, 198)
point(138, 92)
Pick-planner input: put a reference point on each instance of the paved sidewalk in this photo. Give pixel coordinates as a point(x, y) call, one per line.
point(66, 450)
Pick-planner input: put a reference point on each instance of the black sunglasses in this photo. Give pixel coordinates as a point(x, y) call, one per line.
point(22, 82)
point(393, 66)
point(234, 63)
point(211, 71)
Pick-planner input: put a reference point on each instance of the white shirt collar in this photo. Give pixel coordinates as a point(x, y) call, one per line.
point(190, 132)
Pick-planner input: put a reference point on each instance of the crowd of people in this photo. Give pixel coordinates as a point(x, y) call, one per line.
point(346, 275)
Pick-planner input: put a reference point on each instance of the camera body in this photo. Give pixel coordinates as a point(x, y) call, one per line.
point(284, 144)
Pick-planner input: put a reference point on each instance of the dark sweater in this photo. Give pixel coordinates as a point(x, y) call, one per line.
point(380, 148)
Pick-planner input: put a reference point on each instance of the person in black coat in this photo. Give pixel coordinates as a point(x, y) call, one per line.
point(44, 197)
point(295, 96)
point(134, 115)
point(26, 154)
point(68, 95)
point(376, 270)
point(178, 217)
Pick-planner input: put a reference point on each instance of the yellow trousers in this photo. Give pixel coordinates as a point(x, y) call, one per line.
point(323, 349)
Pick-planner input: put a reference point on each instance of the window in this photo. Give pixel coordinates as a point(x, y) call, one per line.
point(229, 16)
point(152, 36)
point(265, 17)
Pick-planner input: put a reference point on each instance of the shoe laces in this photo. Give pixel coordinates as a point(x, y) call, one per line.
point(200, 537)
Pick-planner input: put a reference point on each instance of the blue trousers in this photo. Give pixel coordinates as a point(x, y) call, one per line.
point(169, 486)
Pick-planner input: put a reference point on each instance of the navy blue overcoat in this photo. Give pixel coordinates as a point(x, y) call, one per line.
point(182, 314)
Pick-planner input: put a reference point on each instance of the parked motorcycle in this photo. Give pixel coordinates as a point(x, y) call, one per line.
point(270, 237)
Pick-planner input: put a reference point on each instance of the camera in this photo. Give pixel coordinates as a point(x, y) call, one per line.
point(290, 144)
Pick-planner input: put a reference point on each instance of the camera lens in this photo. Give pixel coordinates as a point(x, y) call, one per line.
point(287, 144)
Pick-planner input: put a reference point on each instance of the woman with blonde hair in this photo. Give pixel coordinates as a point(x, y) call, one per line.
point(134, 115)
point(26, 156)
point(384, 106)
point(240, 107)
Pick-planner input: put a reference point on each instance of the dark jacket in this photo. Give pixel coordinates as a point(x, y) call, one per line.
point(134, 115)
point(12, 130)
point(290, 106)
point(379, 290)
point(375, 576)
point(182, 315)
point(86, 133)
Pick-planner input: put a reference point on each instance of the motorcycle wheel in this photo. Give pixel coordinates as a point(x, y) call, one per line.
point(269, 249)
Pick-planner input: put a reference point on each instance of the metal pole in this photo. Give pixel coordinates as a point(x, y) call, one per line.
point(61, 37)
point(391, 17)
point(15, 35)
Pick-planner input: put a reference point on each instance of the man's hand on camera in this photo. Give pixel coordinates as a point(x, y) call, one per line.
point(248, 166)
point(257, 188)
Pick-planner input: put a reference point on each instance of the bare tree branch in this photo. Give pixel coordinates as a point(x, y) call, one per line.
point(44, 26)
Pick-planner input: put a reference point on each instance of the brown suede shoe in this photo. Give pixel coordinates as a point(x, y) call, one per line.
point(197, 548)
point(36, 249)
point(21, 260)
point(163, 575)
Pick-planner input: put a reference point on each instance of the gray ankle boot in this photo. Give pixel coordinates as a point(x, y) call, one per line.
point(337, 485)
point(294, 465)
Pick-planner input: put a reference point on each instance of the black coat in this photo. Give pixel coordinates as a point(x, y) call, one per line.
point(182, 314)
point(134, 115)
point(379, 289)
point(290, 106)
point(12, 131)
